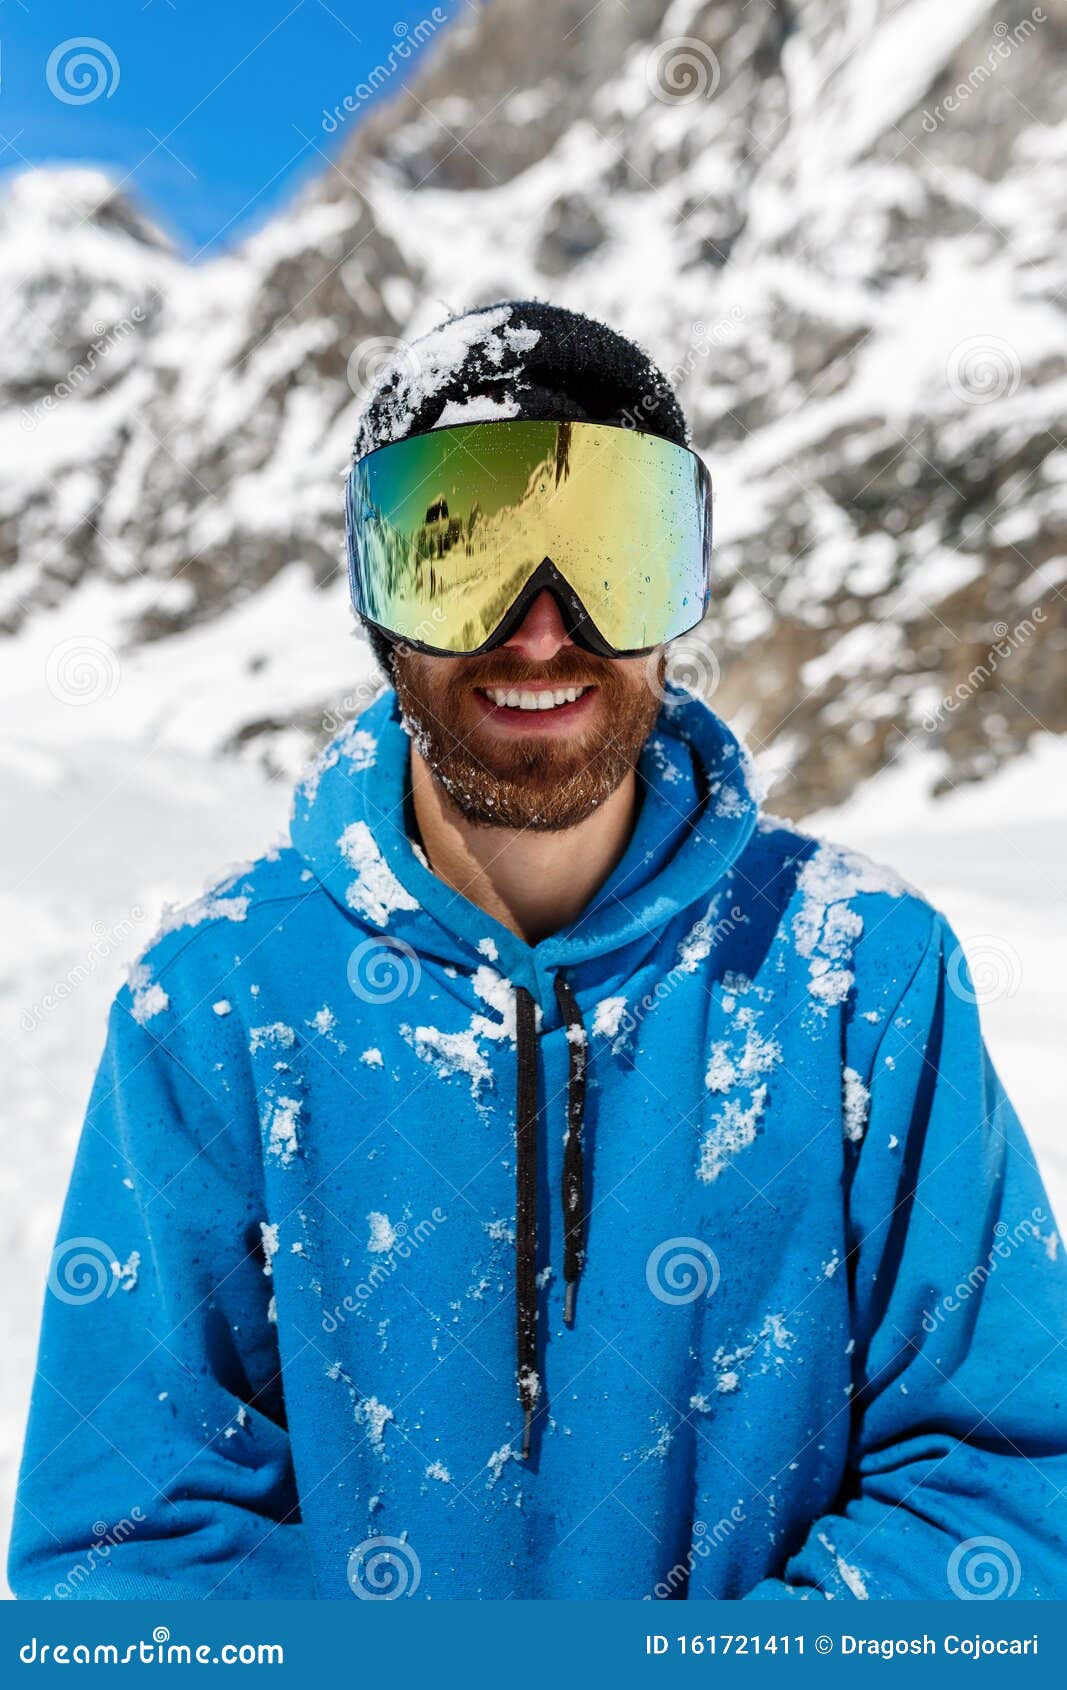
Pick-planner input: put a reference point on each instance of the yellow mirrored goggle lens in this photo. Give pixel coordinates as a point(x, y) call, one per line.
point(446, 530)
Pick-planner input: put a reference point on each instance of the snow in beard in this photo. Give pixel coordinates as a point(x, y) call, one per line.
point(485, 345)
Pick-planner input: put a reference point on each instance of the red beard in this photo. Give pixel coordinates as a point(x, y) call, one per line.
point(538, 781)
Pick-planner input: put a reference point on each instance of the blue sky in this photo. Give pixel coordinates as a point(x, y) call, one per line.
point(215, 109)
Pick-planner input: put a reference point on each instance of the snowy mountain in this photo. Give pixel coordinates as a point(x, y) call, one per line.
point(838, 224)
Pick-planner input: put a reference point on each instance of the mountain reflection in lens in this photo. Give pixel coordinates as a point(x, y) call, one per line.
point(447, 528)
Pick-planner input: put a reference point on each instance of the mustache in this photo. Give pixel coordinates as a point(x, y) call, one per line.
point(569, 667)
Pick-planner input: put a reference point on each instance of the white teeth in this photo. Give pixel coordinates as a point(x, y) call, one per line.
point(549, 699)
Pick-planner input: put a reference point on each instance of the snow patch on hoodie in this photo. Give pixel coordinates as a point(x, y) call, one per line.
point(282, 1140)
point(358, 747)
point(149, 998)
point(855, 1105)
point(126, 1272)
point(607, 1016)
point(733, 1128)
point(277, 1035)
point(375, 1416)
point(383, 1234)
point(376, 892)
point(451, 1054)
point(695, 947)
point(497, 1462)
point(460, 1053)
point(268, 1232)
point(769, 1343)
point(211, 907)
point(738, 1064)
point(850, 1576)
point(825, 927)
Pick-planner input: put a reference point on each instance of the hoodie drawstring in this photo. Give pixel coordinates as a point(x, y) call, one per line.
point(526, 1209)
point(573, 1160)
point(573, 1188)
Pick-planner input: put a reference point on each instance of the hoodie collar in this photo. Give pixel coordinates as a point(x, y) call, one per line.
point(697, 814)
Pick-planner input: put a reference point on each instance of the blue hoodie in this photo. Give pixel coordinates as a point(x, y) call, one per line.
point(816, 1337)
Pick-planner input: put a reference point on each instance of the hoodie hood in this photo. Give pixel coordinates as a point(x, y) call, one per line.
point(351, 820)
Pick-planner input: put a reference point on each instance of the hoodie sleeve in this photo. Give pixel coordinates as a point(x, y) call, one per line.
point(958, 1458)
point(157, 1461)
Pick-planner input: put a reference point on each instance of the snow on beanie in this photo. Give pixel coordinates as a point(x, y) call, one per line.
point(520, 358)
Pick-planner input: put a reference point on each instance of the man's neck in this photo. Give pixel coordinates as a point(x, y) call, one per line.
point(531, 881)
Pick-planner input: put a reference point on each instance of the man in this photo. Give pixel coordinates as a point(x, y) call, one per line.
point(547, 1177)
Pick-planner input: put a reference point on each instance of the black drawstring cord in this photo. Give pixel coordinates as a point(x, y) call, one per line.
point(573, 1162)
point(526, 1209)
point(529, 1383)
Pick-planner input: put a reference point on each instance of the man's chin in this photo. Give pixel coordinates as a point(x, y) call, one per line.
point(518, 803)
point(509, 767)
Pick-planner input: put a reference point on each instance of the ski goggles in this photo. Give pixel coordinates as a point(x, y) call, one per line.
point(452, 534)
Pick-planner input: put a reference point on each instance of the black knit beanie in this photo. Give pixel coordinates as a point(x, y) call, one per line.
point(520, 358)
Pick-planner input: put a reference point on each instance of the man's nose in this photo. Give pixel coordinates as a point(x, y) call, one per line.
point(542, 631)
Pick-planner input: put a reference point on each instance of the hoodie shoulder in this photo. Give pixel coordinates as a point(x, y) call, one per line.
point(859, 926)
point(206, 935)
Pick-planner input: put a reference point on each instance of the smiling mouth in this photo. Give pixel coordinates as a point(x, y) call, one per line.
point(534, 699)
